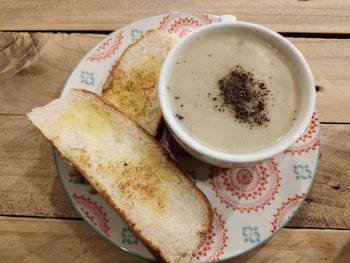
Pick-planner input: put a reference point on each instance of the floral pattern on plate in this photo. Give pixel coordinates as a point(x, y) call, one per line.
point(214, 242)
point(107, 48)
point(181, 25)
point(251, 202)
point(93, 211)
point(247, 187)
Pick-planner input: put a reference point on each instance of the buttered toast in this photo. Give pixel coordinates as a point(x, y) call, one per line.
point(130, 169)
point(132, 83)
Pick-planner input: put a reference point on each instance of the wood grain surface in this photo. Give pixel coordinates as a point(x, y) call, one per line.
point(17, 50)
point(49, 240)
point(328, 202)
point(30, 185)
point(37, 221)
point(43, 80)
point(58, 55)
point(320, 16)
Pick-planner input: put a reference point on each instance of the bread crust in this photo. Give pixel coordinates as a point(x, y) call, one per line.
point(155, 251)
point(153, 121)
point(107, 85)
point(123, 214)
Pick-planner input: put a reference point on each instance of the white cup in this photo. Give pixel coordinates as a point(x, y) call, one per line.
point(289, 51)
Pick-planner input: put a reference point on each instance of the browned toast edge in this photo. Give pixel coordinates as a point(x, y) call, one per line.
point(107, 84)
point(148, 243)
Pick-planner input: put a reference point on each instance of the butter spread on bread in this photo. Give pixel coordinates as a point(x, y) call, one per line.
point(130, 169)
point(132, 83)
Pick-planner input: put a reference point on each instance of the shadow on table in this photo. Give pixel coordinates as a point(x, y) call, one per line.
point(84, 243)
point(248, 257)
point(90, 245)
point(29, 178)
point(344, 256)
point(32, 188)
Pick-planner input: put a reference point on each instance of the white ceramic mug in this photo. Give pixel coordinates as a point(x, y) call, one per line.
point(289, 51)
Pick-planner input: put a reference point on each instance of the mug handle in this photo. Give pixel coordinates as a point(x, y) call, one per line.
point(228, 18)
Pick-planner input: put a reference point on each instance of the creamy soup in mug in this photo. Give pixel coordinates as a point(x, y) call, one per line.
point(233, 92)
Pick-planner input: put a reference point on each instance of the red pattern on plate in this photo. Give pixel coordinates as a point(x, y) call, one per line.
point(286, 211)
point(107, 48)
point(93, 211)
point(182, 24)
point(247, 187)
point(231, 245)
point(214, 242)
point(309, 141)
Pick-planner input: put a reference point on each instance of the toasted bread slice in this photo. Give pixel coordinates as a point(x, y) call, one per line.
point(130, 169)
point(132, 84)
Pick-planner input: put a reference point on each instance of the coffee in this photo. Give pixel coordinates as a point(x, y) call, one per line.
point(199, 103)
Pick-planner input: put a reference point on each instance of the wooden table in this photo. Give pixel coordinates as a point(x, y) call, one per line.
point(45, 41)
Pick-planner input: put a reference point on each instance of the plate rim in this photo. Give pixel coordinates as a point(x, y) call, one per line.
point(55, 152)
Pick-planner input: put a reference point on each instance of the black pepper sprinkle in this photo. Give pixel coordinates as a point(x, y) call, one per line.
point(181, 105)
point(209, 55)
point(179, 117)
point(125, 164)
point(176, 97)
point(245, 96)
point(214, 98)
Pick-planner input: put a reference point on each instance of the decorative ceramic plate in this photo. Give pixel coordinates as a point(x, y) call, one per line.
point(251, 202)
